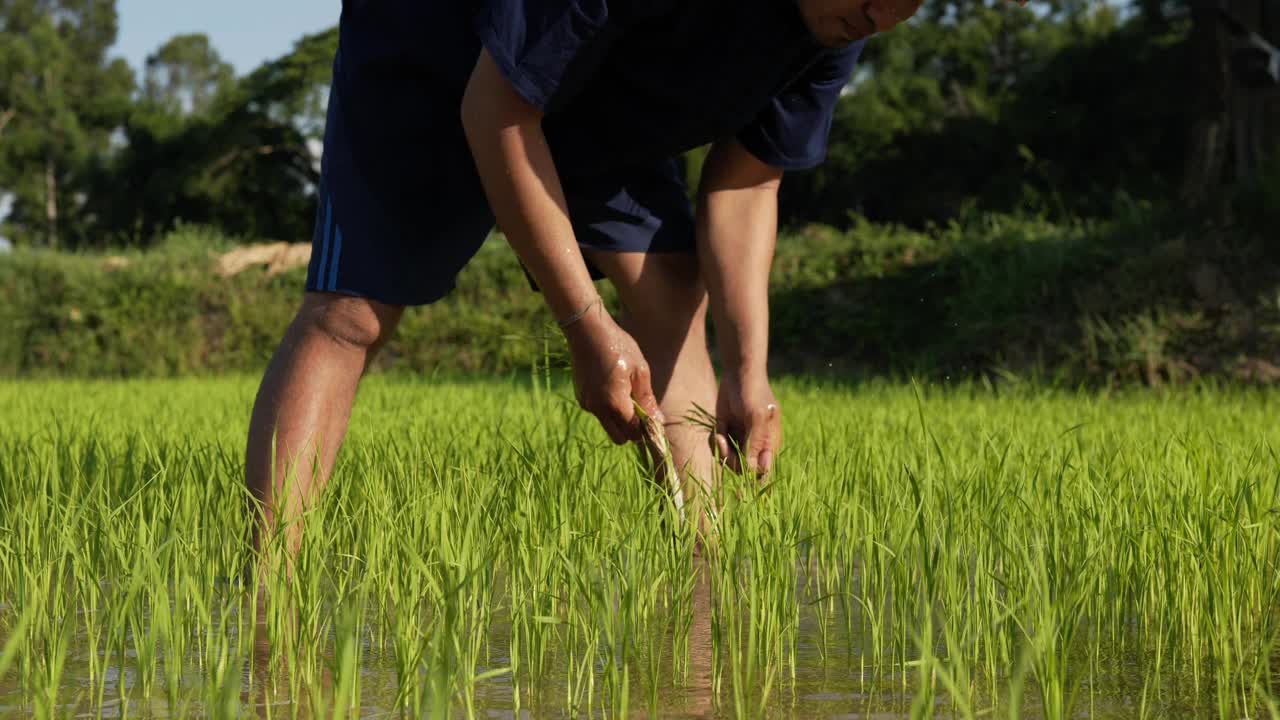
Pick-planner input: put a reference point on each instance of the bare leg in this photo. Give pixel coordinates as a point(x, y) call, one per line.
point(666, 312)
point(305, 401)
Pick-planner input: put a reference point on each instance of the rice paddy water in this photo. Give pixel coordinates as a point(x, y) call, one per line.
point(483, 551)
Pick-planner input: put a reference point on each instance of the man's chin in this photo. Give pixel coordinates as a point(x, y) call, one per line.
point(839, 42)
point(835, 35)
point(830, 40)
point(841, 38)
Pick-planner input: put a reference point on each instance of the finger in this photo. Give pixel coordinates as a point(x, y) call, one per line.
point(619, 434)
point(654, 432)
point(715, 446)
point(622, 413)
point(766, 449)
point(648, 411)
point(756, 441)
point(604, 416)
point(616, 434)
point(642, 393)
point(762, 431)
point(728, 452)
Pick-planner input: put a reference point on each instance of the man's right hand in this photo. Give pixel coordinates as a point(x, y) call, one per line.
point(519, 175)
point(611, 378)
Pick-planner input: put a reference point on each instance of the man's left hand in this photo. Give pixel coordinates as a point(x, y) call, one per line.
point(748, 423)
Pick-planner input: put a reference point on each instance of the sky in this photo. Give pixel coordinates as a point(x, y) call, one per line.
point(244, 32)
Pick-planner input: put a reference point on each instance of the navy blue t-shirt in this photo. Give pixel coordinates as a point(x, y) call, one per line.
point(622, 82)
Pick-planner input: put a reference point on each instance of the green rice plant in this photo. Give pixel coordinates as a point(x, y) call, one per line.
point(969, 551)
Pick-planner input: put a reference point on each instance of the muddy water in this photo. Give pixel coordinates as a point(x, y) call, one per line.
point(819, 691)
point(829, 682)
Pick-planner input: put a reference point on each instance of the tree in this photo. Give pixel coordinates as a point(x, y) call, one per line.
point(983, 105)
point(60, 101)
point(186, 74)
point(294, 89)
point(1237, 127)
point(1255, 108)
point(242, 160)
point(937, 117)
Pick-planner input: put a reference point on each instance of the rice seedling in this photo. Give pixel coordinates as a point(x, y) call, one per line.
point(483, 550)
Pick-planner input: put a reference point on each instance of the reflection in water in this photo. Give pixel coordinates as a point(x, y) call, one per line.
point(701, 693)
point(827, 683)
point(268, 687)
point(257, 684)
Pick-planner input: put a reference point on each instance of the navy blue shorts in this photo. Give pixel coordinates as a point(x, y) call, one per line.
point(401, 209)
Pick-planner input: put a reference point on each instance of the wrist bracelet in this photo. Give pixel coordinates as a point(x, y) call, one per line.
point(578, 315)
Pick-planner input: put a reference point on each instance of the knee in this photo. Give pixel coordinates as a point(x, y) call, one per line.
point(357, 323)
point(687, 311)
point(672, 324)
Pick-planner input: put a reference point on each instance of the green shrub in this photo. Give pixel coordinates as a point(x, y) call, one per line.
point(1138, 298)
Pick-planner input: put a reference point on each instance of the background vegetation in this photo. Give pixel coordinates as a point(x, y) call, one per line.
point(1084, 190)
point(1143, 297)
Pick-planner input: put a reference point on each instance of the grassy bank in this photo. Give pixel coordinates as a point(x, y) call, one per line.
point(483, 549)
point(1140, 298)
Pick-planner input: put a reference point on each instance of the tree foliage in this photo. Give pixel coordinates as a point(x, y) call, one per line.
point(1062, 108)
point(61, 99)
point(185, 75)
point(91, 159)
point(992, 106)
point(247, 163)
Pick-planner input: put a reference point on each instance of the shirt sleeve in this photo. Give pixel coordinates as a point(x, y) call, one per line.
point(791, 132)
point(548, 49)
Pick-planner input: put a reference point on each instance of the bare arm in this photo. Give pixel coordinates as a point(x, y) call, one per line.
point(520, 179)
point(737, 233)
point(519, 176)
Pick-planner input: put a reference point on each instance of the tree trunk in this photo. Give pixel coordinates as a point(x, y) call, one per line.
point(1209, 101)
point(1270, 131)
point(1205, 159)
point(51, 202)
point(1269, 110)
point(1242, 135)
point(1247, 103)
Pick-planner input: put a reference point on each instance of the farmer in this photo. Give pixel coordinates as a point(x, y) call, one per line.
point(562, 121)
